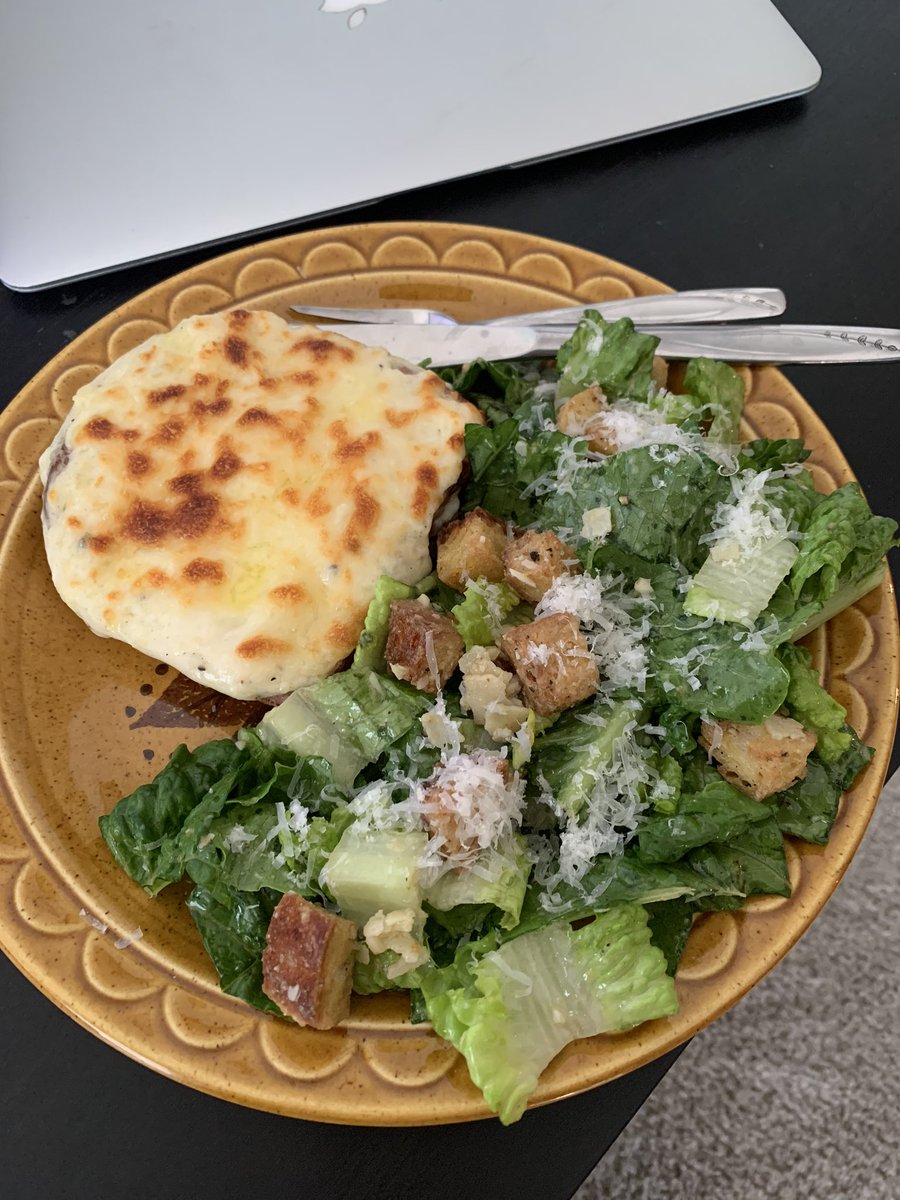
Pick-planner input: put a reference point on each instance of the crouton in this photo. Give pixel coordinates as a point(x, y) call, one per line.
point(759, 759)
point(533, 560)
point(454, 795)
point(471, 548)
point(308, 962)
point(660, 371)
point(552, 660)
point(582, 416)
point(411, 627)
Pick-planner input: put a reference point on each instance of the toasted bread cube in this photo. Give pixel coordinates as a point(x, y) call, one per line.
point(411, 626)
point(760, 760)
point(532, 561)
point(471, 548)
point(446, 806)
point(553, 662)
point(308, 962)
point(582, 416)
point(660, 371)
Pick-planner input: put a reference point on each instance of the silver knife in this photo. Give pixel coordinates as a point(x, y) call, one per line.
point(443, 345)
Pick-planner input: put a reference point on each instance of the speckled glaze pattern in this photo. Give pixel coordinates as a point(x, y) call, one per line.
point(84, 720)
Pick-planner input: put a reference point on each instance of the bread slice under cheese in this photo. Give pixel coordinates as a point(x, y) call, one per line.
point(225, 496)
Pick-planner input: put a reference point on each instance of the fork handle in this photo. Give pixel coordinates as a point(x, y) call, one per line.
point(673, 308)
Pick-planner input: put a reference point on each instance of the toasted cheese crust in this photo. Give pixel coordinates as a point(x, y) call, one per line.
point(225, 496)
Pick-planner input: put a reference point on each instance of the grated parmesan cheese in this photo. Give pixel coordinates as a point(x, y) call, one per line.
point(128, 939)
point(470, 794)
point(237, 839)
point(97, 924)
point(609, 818)
point(747, 521)
point(615, 623)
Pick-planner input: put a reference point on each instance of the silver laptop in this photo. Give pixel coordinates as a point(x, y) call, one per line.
point(132, 129)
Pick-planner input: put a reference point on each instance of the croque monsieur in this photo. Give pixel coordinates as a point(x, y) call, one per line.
point(225, 496)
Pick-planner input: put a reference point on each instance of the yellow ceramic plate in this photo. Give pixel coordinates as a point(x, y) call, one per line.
point(86, 720)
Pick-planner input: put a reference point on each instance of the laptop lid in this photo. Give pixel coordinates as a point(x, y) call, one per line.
point(129, 130)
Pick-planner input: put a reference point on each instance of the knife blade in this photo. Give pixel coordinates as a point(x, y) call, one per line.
point(445, 345)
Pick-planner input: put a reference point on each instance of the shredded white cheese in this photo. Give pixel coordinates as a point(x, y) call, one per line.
point(99, 925)
point(747, 521)
point(615, 623)
point(237, 839)
point(472, 790)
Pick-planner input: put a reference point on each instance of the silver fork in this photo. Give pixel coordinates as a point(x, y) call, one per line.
point(674, 308)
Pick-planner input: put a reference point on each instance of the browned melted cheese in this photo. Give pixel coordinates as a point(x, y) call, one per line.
point(225, 496)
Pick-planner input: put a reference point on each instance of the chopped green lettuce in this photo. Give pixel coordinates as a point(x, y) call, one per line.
point(369, 653)
point(808, 808)
point(718, 813)
point(670, 926)
point(498, 877)
point(348, 719)
point(738, 589)
point(720, 390)
point(232, 926)
point(614, 880)
point(842, 545)
point(505, 464)
point(157, 830)
point(141, 830)
point(485, 608)
point(567, 759)
point(376, 869)
point(515, 1008)
point(809, 703)
point(751, 863)
point(611, 354)
point(810, 616)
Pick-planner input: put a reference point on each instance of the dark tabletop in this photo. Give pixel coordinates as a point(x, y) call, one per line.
point(802, 195)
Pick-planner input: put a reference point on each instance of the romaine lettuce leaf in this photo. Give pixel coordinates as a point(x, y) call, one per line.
point(719, 813)
point(841, 545)
point(156, 830)
point(233, 927)
point(739, 588)
point(369, 653)
point(611, 354)
point(670, 925)
point(614, 880)
point(349, 719)
point(807, 809)
point(485, 608)
point(720, 390)
point(506, 389)
point(376, 869)
point(142, 828)
point(749, 864)
point(568, 757)
point(522, 1003)
point(498, 877)
point(504, 465)
point(809, 703)
point(661, 500)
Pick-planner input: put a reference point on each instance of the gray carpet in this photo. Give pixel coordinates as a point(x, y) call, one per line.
point(795, 1093)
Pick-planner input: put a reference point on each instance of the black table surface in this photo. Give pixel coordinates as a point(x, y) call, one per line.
point(802, 195)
